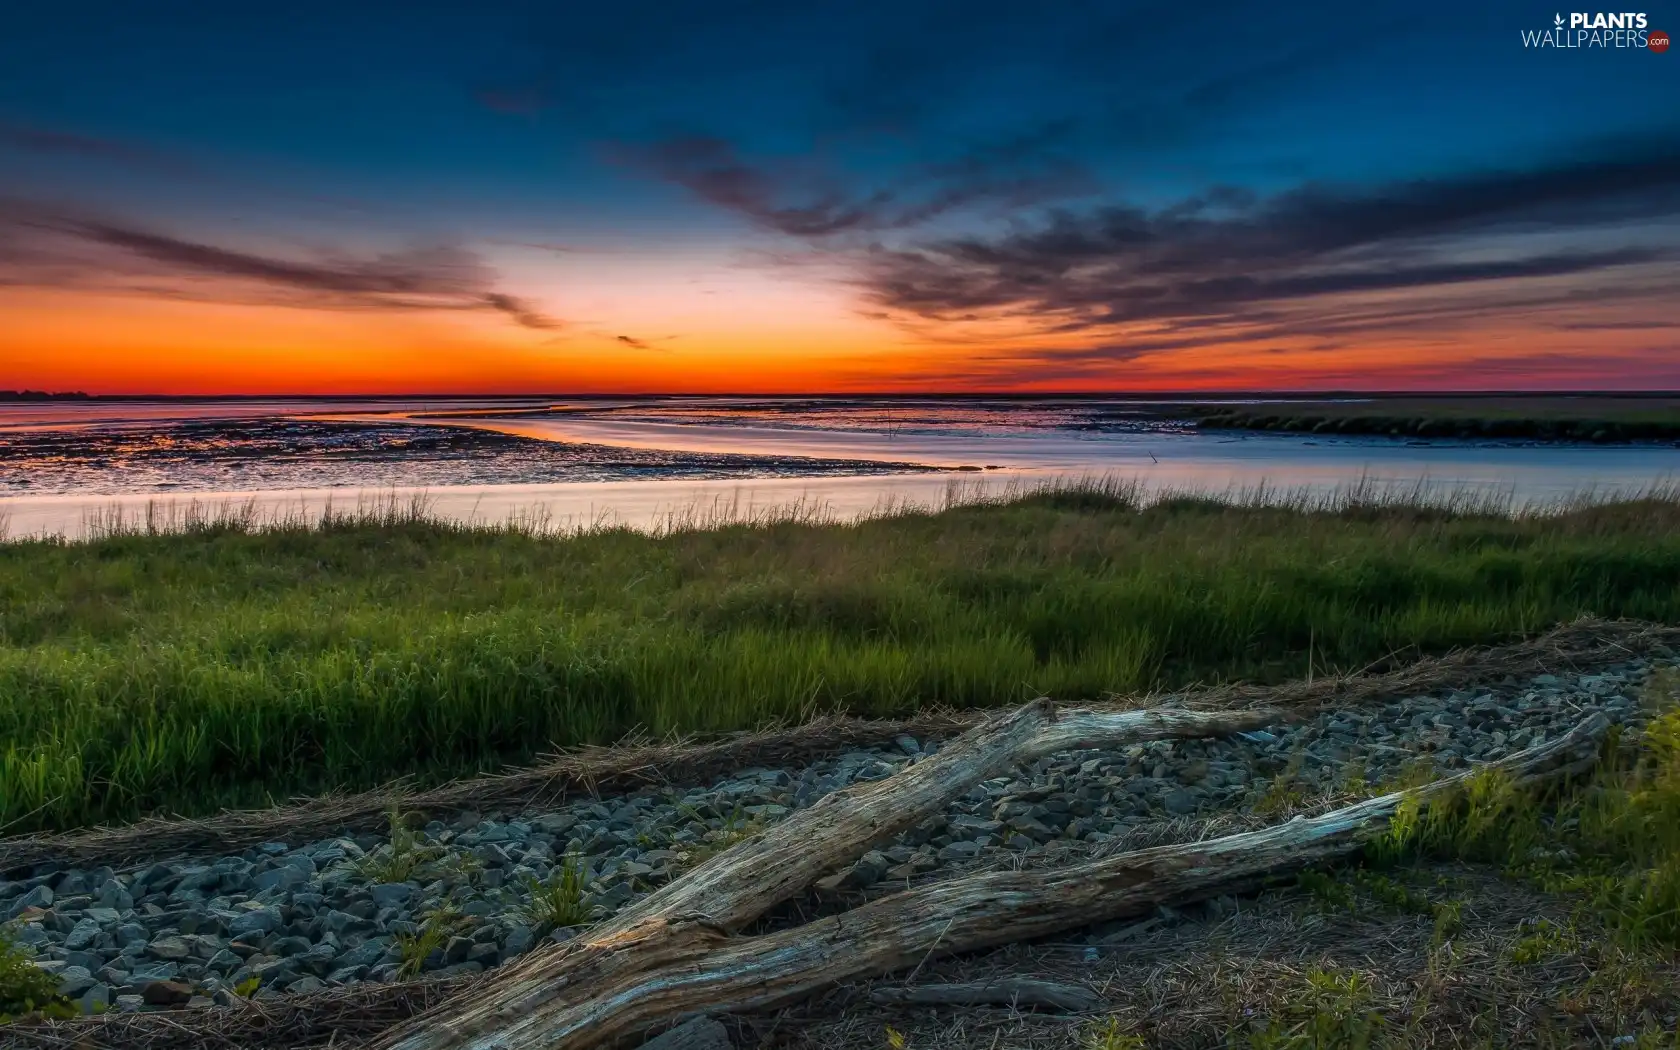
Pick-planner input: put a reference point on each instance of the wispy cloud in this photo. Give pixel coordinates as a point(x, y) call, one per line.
point(1228, 253)
point(808, 200)
point(58, 142)
point(53, 248)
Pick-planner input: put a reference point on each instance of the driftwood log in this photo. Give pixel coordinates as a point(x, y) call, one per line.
point(675, 955)
point(743, 882)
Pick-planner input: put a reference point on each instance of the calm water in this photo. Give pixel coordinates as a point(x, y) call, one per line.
point(645, 462)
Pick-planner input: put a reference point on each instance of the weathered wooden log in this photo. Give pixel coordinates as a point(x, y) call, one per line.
point(743, 882)
point(601, 1000)
point(1014, 992)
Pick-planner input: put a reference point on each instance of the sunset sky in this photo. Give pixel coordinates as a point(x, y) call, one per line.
point(814, 196)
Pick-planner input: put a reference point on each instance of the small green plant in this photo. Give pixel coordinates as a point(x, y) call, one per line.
point(895, 1039)
point(439, 925)
point(457, 865)
point(24, 987)
point(248, 987)
point(737, 826)
point(1284, 795)
point(1548, 941)
point(561, 901)
point(1449, 920)
point(1331, 893)
point(1108, 1036)
point(1393, 894)
point(399, 859)
point(1333, 1013)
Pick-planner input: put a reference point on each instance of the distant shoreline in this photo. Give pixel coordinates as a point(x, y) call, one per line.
point(1157, 396)
point(1547, 418)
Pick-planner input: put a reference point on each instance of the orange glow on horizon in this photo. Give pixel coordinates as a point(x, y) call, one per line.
point(759, 339)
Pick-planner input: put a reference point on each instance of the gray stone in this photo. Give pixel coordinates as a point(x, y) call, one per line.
point(82, 935)
point(39, 897)
point(282, 878)
point(131, 933)
point(74, 980)
point(258, 921)
point(1180, 802)
point(154, 971)
point(389, 894)
point(96, 1000)
point(519, 940)
point(173, 948)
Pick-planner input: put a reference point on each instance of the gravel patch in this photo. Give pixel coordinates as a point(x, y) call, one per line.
point(469, 894)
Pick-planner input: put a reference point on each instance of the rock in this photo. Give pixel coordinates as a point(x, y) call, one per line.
point(96, 1000)
point(519, 940)
point(282, 878)
point(74, 980)
point(157, 971)
point(957, 852)
point(173, 948)
point(82, 935)
point(1180, 802)
point(131, 933)
point(259, 921)
point(39, 897)
point(390, 894)
point(305, 984)
point(115, 976)
point(166, 993)
point(130, 1003)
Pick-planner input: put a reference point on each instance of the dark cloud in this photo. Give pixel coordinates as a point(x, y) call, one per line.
point(1228, 252)
point(804, 199)
point(637, 343)
point(517, 102)
point(1615, 326)
point(57, 142)
point(49, 247)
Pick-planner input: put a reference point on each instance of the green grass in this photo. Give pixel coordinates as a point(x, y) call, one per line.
point(229, 664)
point(561, 902)
point(1612, 843)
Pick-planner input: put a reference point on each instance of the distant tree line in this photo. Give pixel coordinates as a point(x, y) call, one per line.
point(44, 395)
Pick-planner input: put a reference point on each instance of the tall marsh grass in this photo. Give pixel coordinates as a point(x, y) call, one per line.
point(183, 665)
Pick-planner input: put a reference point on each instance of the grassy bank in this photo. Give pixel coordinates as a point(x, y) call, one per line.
point(1594, 419)
point(228, 665)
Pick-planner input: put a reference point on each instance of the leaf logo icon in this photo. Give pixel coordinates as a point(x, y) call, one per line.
point(1558, 20)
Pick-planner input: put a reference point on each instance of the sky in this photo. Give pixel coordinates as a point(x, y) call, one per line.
point(915, 195)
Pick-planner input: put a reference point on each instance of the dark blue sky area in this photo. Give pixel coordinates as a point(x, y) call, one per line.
point(528, 111)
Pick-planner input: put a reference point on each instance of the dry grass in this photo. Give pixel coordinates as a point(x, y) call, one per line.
point(1287, 971)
